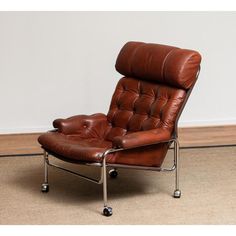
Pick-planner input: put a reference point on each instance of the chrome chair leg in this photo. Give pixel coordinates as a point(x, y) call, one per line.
point(107, 211)
point(177, 192)
point(45, 185)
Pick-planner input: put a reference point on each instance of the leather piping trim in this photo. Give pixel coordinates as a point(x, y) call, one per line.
point(164, 63)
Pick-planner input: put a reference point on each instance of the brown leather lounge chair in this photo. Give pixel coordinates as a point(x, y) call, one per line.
point(141, 123)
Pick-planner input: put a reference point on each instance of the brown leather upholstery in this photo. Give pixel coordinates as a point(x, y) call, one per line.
point(163, 64)
point(142, 105)
point(143, 111)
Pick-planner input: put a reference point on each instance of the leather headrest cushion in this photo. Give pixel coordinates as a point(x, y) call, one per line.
point(161, 63)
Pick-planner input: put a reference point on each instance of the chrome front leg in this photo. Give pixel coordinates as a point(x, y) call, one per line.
point(177, 192)
point(107, 211)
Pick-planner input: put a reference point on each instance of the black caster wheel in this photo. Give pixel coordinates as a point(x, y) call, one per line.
point(107, 211)
point(113, 173)
point(45, 188)
point(177, 193)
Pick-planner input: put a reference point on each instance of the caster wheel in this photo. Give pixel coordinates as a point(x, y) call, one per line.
point(177, 193)
point(45, 188)
point(113, 173)
point(107, 211)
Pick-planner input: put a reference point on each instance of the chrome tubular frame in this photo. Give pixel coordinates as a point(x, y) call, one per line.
point(177, 192)
point(45, 154)
point(176, 163)
point(103, 165)
point(96, 181)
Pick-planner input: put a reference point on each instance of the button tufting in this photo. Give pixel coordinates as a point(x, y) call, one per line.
point(139, 109)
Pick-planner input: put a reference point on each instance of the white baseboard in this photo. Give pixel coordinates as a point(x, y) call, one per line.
point(192, 123)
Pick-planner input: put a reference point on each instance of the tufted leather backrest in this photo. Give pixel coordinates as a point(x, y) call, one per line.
point(154, 88)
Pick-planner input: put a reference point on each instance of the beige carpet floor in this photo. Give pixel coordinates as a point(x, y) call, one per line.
point(208, 183)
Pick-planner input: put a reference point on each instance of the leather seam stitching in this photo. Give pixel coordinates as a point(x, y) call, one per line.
point(164, 63)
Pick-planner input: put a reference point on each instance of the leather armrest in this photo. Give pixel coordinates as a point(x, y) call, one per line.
point(87, 126)
point(142, 138)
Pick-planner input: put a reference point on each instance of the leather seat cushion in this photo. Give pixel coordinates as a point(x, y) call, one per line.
point(74, 147)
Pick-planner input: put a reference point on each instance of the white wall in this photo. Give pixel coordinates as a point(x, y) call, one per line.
point(58, 64)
